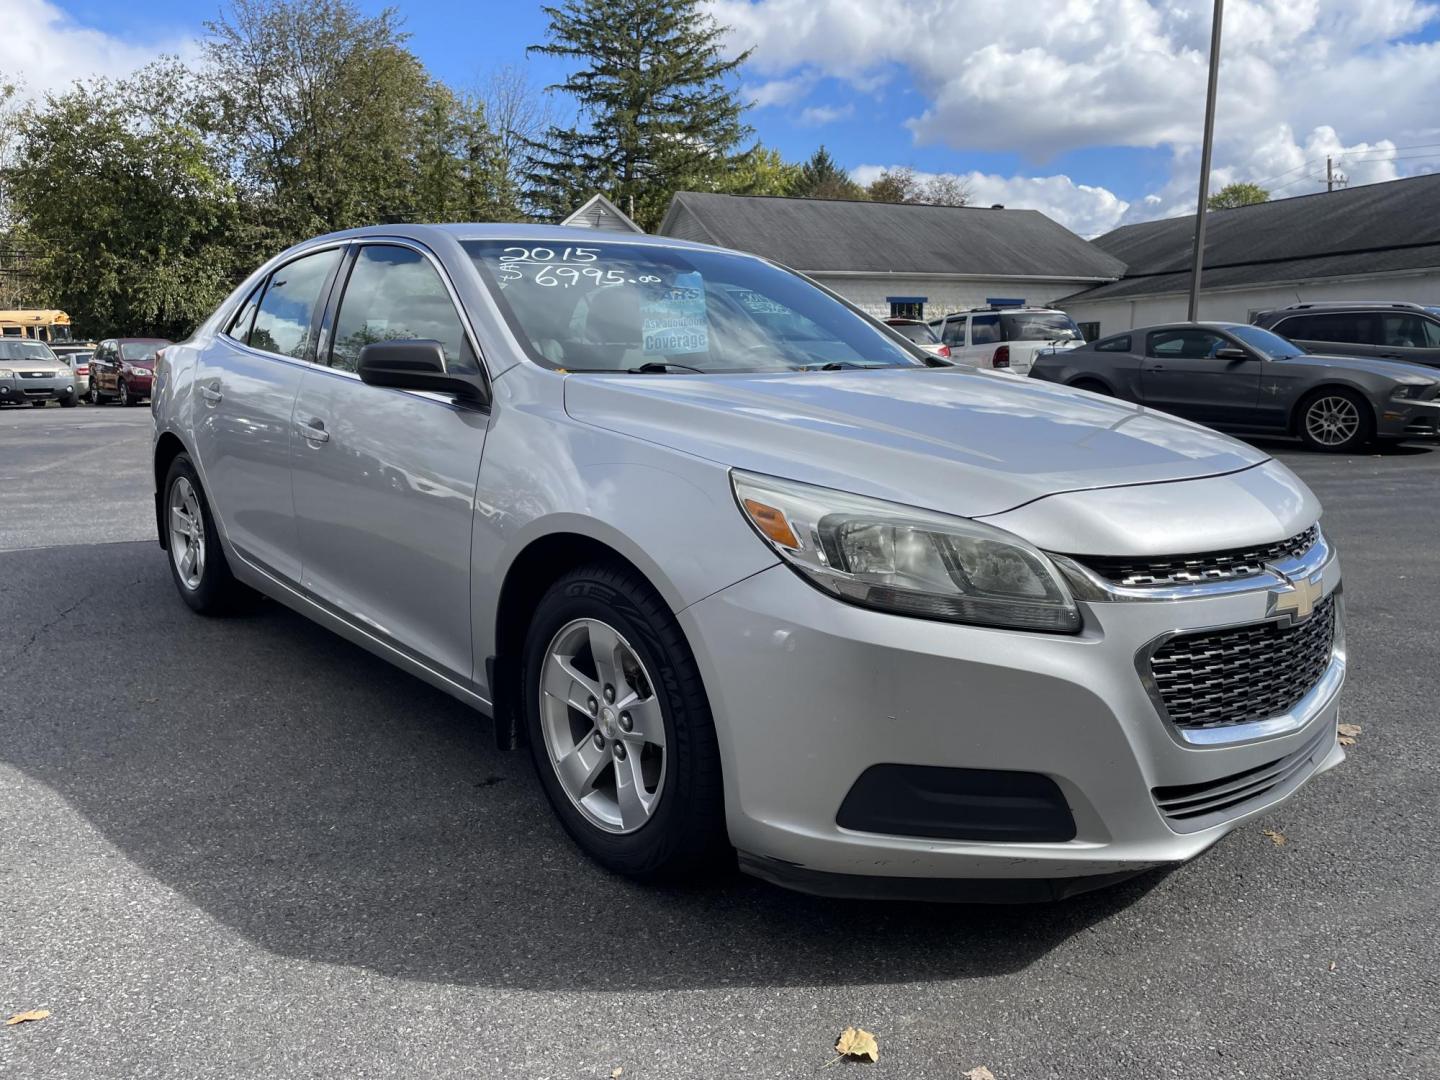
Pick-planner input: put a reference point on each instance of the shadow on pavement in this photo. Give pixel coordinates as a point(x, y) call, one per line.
point(331, 808)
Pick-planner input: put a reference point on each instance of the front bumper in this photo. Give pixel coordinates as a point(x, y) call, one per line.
point(20, 389)
point(1409, 420)
point(809, 692)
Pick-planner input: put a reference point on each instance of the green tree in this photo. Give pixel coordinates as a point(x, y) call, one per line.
point(821, 178)
point(657, 108)
point(1240, 193)
point(135, 213)
point(332, 122)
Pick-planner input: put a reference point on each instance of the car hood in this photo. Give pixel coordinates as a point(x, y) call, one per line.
point(951, 439)
point(55, 367)
point(1372, 364)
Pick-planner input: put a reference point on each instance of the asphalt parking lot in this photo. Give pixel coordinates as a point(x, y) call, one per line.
point(245, 848)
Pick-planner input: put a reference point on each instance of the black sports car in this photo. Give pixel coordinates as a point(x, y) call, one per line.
point(1244, 379)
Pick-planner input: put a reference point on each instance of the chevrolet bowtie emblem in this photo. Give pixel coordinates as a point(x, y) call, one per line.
point(1296, 598)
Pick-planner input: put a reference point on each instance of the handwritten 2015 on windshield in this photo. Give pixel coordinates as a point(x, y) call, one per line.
point(563, 268)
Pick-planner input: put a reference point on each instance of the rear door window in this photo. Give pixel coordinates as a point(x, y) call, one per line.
point(1347, 327)
point(1403, 332)
point(984, 329)
point(284, 322)
point(239, 328)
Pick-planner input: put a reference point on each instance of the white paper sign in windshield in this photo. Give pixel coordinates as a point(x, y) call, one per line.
point(674, 321)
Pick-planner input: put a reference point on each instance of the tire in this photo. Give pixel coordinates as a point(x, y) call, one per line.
point(38, 404)
point(69, 401)
point(1093, 386)
point(123, 394)
point(95, 398)
point(682, 833)
point(213, 590)
point(1334, 420)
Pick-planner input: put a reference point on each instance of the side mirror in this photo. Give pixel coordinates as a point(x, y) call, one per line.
point(1230, 352)
point(417, 365)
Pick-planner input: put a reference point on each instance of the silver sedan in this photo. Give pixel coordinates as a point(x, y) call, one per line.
point(747, 574)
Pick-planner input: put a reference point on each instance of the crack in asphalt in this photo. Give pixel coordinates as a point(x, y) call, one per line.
point(60, 617)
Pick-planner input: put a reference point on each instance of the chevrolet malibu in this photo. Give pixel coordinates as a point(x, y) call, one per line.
point(745, 574)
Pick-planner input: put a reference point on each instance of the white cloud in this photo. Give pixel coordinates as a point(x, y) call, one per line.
point(777, 91)
point(1085, 73)
point(45, 50)
point(1082, 208)
point(825, 114)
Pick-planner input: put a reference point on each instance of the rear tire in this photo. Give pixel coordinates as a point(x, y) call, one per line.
point(38, 404)
point(1334, 420)
point(69, 401)
point(1094, 386)
point(681, 833)
point(205, 584)
point(95, 398)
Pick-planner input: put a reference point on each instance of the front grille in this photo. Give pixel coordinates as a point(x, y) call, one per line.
point(1222, 677)
point(1191, 807)
point(1208, 566)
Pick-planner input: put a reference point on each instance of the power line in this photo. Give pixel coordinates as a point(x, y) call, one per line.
point(1394, 150)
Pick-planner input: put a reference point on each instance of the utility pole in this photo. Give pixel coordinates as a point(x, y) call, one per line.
point(1332, 177)
point(1205, 147)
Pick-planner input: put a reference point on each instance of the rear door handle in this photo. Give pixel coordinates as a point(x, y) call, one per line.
point(1154, 367)
point(211, 394)
point(314, 430)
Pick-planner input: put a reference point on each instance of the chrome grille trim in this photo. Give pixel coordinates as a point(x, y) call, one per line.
point(1209, 683)
point(1163, 570)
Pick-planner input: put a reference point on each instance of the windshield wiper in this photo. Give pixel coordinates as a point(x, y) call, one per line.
point(657, 367)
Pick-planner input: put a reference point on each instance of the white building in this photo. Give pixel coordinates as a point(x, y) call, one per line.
point(895, 259)
point(598, 212)
point(1376, 242)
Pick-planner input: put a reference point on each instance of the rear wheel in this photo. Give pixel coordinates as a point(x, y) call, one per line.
point(95, 398)
point(1334, 420)
point(38, 404)
point(197, 561)
point(620, 728)
point(69, 401)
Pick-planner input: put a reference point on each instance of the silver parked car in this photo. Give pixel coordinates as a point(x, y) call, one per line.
point(744, 573)
point(30, 374)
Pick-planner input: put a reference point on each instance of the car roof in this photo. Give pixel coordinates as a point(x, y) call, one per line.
point(569, 234)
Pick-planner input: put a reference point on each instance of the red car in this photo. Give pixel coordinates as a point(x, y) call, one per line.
point(123, 369)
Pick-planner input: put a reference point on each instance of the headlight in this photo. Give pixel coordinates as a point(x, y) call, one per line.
point(905, 560)
point(1410, 390)
point(7, 373)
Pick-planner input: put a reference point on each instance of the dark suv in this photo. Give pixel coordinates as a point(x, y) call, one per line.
point(1386, 330)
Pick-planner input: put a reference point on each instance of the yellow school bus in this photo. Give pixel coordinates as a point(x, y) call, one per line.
point(44, 325)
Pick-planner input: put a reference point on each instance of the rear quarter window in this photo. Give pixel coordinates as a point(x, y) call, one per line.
point(1114, 344)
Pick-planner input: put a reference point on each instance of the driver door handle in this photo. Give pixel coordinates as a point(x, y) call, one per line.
point(314, 430)
point(211, 394)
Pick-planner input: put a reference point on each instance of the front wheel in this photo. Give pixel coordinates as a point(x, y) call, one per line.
point(1336, 421)
point(197, 561)
point(620, 728)
point(124, 395)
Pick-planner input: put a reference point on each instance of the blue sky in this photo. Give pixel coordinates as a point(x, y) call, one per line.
point(1087, 109)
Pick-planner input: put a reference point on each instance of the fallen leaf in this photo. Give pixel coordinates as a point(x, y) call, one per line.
point(27, 1017)
point(857, 1044)
point(980, 1072)
point(1333, 965)
point(1348, 734)
point(615, 1072)
point(1276, 838)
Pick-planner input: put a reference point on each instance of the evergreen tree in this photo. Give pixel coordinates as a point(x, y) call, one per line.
point(657, 112)
point(821, 178)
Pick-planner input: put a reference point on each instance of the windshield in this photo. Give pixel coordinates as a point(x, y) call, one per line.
point(1040, 326)
point(25, 350)
point(140, 350)
point(917, 332)
point(1267, 343)
point(636, 308)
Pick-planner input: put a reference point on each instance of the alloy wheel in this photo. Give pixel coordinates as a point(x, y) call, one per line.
point(603, 728)
point(1332, 420)
point(124, 394)
point(187, 533)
